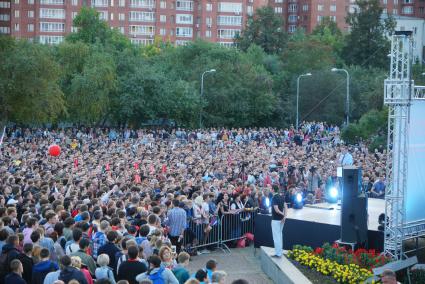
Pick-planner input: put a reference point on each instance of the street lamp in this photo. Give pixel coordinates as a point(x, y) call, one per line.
point(298, 96)
point(202, 94)
point(347, 103)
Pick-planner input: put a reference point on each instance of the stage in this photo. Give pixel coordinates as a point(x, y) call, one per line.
point(318, 224)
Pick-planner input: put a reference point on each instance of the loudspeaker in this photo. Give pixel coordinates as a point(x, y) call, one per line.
point(354, 207)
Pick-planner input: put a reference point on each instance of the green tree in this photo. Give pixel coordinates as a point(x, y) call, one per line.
point(29, 90)
point(265, 29)
point(367, 44)
point(328, 33)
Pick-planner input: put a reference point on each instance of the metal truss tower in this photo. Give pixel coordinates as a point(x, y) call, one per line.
point(398, 94)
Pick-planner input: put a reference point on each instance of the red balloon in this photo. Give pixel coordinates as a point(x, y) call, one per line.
point(54, 150)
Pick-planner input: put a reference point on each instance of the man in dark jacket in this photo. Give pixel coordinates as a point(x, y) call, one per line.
point(110, 248)
point(68, 272)
point(9, 253)
point(27, 262)
point(132, 267)
point(15, 275)
point(42, 268)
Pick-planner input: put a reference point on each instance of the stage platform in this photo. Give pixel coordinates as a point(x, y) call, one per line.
point(330, 213)
point(317, 224)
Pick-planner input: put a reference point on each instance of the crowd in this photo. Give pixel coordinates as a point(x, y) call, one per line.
point(115, 205)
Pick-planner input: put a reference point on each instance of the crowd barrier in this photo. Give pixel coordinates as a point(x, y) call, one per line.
point(218, 231)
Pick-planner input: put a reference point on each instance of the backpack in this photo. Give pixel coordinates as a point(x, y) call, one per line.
point(96, 239)
point(156, 278)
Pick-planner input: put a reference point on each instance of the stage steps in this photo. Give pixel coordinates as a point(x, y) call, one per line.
point(281, 271)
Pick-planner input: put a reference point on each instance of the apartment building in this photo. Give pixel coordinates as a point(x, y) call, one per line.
point(177, 21)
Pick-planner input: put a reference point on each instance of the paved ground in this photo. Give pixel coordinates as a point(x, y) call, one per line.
point(240, 263)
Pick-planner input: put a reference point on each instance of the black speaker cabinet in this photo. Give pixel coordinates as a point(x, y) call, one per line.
point(353, 208)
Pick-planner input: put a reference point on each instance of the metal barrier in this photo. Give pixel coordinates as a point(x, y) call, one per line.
point(218, 232)
point(201, 233)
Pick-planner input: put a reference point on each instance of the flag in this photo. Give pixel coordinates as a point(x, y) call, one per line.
point(75, 162)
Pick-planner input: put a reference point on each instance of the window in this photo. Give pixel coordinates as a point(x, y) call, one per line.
point(30, 14)
point(395, 2)
point(184, 19)
point(227, 44)
point(292, 28)
point(184, 5)
point(184, 32)
point(99, 3)
point(278, 1)
point(52, 2)
point(122, 3)
point(278, 10)
point(319, 19)
point(305, 8)
point(421, 10)
point(30, 27)
point(320, 7)
point(163, 5)
point(385, 2)
point(103, 15)
point(16, 27)
point(230, 7)
point(229, 20)
point(121, 16)
point(16, 1)
point(142, 3)
point(208, 21)
point(333, 18)
point(138, 16)
point(141, 41)
point(408, 10)
point(142, 30)
point(163, 18)
point(31, 2)
point(395, 12)
point(4, 4)
point(74, 29)
point(292, 7)
point(5, 30)
point(332, 8)
point(112, 16)
point(4, 17)
point(209, 7)
point(181, 42)
point(292, 18)
point(408, 1)
point(52, 27)
point(52, 13)
point(163, 32)
point(227, 33)
point(74, 2)
point(50, 39)
point(384, 11)
point(17, 14)
point(250, 10)
point(112, 3)
point(207, 33)
point(74, 14)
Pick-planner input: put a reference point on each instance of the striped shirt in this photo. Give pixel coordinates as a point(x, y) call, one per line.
point(176, 221)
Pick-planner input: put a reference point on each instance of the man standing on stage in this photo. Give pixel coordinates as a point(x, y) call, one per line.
point(279, 211)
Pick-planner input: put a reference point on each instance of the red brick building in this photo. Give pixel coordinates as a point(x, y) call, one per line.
point(178, 21)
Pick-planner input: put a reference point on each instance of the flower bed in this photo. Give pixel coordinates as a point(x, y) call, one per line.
point(345, 266)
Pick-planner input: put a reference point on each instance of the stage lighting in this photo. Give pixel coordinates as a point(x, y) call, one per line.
point(268, 207)
point(332, 195)
point(298, 202)
point(333, 192)
point(299, 197)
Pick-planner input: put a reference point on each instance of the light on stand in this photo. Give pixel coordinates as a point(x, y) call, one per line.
point(333, 195)
point(298, 202)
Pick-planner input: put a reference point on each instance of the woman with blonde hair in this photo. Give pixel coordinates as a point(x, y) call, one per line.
point(104, 271)
point(76, 263)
